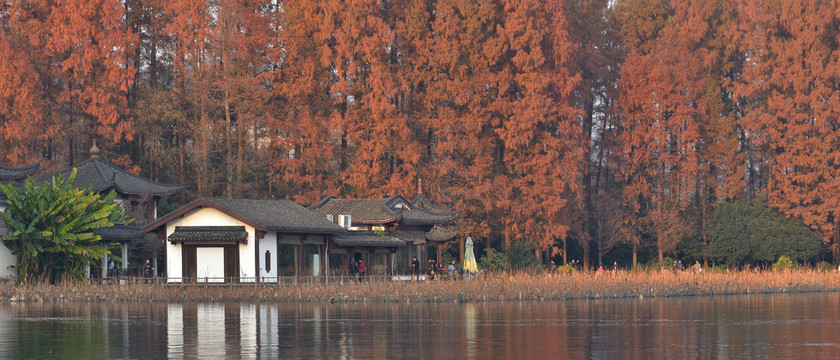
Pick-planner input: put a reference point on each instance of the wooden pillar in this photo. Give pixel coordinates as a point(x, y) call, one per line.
point(277, 256)
point(326, 265)
point(257, 267)
point(391, 263)
point(298, 250)
point(439, 252)
point(125, 256)
point(104, 264)
point(461, 249)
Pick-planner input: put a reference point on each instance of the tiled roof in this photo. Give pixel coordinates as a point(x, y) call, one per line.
point(282, 215)
point(277, 215)
point(362, 211)
point(423, 212)
point(8, 173)
point(439, 234)
point(425, 217)
point(119, 233)
point(366, 238)
point(101, 175)
point(411, 236)
point(209, 234)
point(421, 202)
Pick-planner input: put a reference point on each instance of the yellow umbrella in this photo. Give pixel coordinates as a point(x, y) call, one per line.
point(469, 256)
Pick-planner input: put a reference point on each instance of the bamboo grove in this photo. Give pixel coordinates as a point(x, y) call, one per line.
point(576, 125)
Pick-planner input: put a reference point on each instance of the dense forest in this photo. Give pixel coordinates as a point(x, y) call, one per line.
point(582, 127)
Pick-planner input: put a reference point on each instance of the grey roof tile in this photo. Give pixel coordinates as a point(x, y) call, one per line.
point(282, 215)
point(362, 211)
point(214, 234)
point(119, 233)
point(439, 234)
point(425, 217)
point(8, 173)
point(276, 215)
point(366, 238)
point(100, 175)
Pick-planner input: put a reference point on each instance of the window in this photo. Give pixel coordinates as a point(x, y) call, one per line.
point(268, 261)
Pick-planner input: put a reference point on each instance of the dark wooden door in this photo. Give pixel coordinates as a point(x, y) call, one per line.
point(231, 264)
point(189, 263)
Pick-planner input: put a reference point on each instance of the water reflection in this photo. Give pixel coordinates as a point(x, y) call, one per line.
point(778, 326)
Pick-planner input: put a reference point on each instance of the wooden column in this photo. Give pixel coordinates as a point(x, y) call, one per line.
point(104, 264)
point(125, 256)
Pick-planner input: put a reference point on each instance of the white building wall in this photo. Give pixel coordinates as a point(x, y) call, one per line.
point(7, 259)
point(209, 217)
point(268, 244)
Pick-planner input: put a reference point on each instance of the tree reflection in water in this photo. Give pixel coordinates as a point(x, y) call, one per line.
point(721, 327)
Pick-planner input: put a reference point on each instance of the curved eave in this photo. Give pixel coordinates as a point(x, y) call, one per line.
point(306, 231)
point(19, 172)
point(175, 189)
point(374, 222)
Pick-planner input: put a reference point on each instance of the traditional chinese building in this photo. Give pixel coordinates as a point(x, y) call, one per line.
point(137, 195)
point(7, 175)
point(423, 228)
point(243, 240)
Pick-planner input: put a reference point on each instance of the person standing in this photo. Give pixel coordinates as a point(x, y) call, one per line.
point(362, 268)
point(415, 267)
point(147, 269)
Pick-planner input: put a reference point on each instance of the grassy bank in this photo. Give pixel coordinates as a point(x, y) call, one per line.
point(494, 287)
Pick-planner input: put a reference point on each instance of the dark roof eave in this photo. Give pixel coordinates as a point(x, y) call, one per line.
point(304, 231)
point(178, 189)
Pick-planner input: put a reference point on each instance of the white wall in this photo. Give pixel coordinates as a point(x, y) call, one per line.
point(209, 217)
point(269, 243)
point(7, 259)
point(210, 264)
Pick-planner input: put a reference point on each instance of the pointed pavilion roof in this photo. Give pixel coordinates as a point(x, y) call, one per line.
point(100, 175)
point(423, 212)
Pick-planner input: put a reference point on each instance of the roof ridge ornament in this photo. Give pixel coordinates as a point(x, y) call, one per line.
point(94, 151)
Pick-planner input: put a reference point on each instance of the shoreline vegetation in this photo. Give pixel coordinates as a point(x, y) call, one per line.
point(493, 287)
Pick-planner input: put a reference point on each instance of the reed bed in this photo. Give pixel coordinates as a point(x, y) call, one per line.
point(493, 287)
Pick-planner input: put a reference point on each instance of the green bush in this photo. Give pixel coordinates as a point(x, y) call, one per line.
point(667, 263)
point(494, 260)
point(748, 231)
point(824, 266)
point(719, 269)
point(784, 263)
point(522, 256)
point(566, 269)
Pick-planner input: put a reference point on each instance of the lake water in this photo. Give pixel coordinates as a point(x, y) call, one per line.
point(744, 326)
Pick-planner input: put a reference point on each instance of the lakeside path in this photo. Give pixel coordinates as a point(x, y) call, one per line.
point(494, 287)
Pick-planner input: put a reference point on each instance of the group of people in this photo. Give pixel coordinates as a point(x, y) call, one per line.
point(679, 267)
point(434, 268)
point(358, 269)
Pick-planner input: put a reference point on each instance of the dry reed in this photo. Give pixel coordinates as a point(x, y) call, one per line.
point(494, 287)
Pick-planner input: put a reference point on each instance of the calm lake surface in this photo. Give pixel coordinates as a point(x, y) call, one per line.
point(744, 326)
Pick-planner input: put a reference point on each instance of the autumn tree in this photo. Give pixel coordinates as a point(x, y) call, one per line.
point(597, 55)
point(663, 104)
point(70, 60)
point(790, 85)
